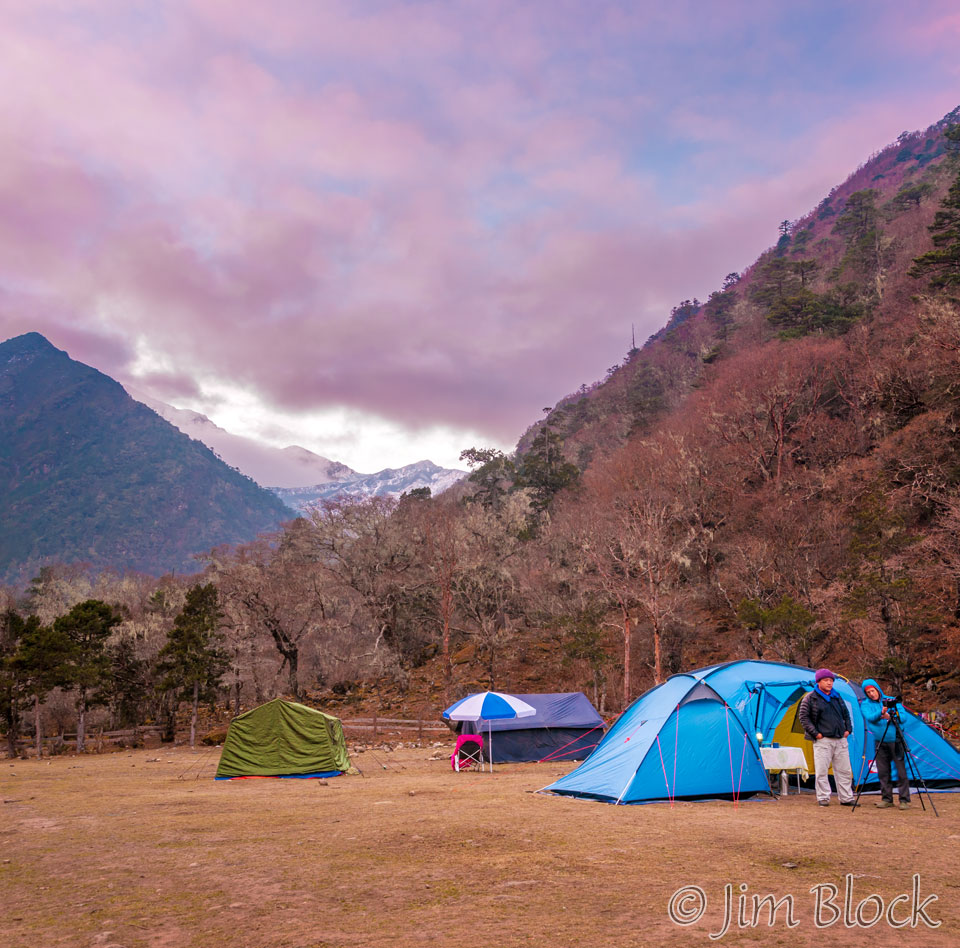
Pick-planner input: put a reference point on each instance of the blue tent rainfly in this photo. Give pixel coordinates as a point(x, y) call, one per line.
point(698, 736)
point(565, 727)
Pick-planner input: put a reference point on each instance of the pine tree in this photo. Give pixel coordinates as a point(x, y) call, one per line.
point(192, 662)
point(544, 469)
point(942, 265)
point(128, 684)
point(87, 626)
point(43, 662)
point(12, 691)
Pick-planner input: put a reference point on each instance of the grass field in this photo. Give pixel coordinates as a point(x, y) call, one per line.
point(144, 849)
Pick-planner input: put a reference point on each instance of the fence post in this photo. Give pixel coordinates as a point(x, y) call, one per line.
point(420, 726)
point(375, 724)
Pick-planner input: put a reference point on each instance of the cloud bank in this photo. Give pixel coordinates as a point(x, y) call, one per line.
point(420, 221)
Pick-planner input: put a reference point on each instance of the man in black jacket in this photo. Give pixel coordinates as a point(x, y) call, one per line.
point(826, 722)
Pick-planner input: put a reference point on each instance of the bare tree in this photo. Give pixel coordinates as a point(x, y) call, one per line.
point(273, 585)
point(770, 404)
point(369, 553)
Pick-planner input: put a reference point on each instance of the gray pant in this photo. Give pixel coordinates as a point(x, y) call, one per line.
point(886, 752)
point(833, 751)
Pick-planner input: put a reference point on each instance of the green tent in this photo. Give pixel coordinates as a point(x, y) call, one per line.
point(283, 739)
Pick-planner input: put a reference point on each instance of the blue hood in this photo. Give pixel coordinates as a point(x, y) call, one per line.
point(873, 714)
point(867, 682)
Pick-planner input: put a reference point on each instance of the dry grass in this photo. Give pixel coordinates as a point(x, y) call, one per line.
point(119, 850)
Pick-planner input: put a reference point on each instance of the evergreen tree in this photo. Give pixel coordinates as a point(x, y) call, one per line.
point(859, 216)
point(127, 686)
point(87, 626)
point(544, 468)
point(942, 265)
point(783, 287)
point(12, 691)
point(881, 585)
point(493, 473)
point(43, 661)
point(192, 662)
point(866, 245)
point(719, 309)
point(786, 626)
point(910, 195)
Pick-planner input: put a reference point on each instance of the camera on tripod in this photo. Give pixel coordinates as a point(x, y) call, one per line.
point(890, 710)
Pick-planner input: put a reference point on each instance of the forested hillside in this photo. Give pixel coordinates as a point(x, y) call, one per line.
point(774, 474)
point(87, 474)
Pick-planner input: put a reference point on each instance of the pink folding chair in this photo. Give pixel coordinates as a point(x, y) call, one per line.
point(467, 753)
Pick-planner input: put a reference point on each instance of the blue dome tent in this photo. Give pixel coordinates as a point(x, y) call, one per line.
point(566, 726)
point(696, 737)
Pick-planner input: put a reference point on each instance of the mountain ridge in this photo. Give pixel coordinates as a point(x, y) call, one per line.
point(390, 482)
point(288, 467)
point(295, 474)
point(653, 379)
point(88, 474)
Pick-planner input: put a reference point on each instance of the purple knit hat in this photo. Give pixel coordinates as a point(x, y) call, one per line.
point(823, 673)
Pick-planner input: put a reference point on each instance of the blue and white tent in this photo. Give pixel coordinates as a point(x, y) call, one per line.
point(566, 726)
point(695, 737)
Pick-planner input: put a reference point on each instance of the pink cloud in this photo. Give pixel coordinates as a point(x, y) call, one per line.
point(439, 213)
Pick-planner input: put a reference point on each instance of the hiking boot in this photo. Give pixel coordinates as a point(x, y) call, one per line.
point(884, 804)
point(847, 802)
point(824, 802)
point(904, 804)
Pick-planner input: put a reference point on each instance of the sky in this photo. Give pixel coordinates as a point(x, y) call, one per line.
point(389, 230)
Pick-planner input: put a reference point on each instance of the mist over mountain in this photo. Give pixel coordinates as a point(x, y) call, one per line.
point(270, 467)
point(88, 474)
point(301, 478)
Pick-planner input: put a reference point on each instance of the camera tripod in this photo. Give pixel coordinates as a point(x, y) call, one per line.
point(913, 768)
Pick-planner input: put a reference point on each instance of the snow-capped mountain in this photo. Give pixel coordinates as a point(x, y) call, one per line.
point(269, 466)
point(297, 476)
point(391, 482)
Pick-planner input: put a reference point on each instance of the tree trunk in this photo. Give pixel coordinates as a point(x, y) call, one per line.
point(38, 730)
point(237, 686)
point(293, 658)
point(258, 695)
point(491, 662)
point(13, 729)
point(657, 654)
point(169, 734)
point(81, 719)
point(626, 660)
point(446, 607)
point(193, 716)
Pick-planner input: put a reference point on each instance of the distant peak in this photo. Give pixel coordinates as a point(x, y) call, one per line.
point(28, 342)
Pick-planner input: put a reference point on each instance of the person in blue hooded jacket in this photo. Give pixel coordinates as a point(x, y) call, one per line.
point(888, 749)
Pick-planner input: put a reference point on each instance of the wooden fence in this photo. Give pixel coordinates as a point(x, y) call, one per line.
point(379, 726)
point(94, 738)
point(373, 727)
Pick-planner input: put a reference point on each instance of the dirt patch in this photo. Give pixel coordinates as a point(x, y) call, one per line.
point(109, 851)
